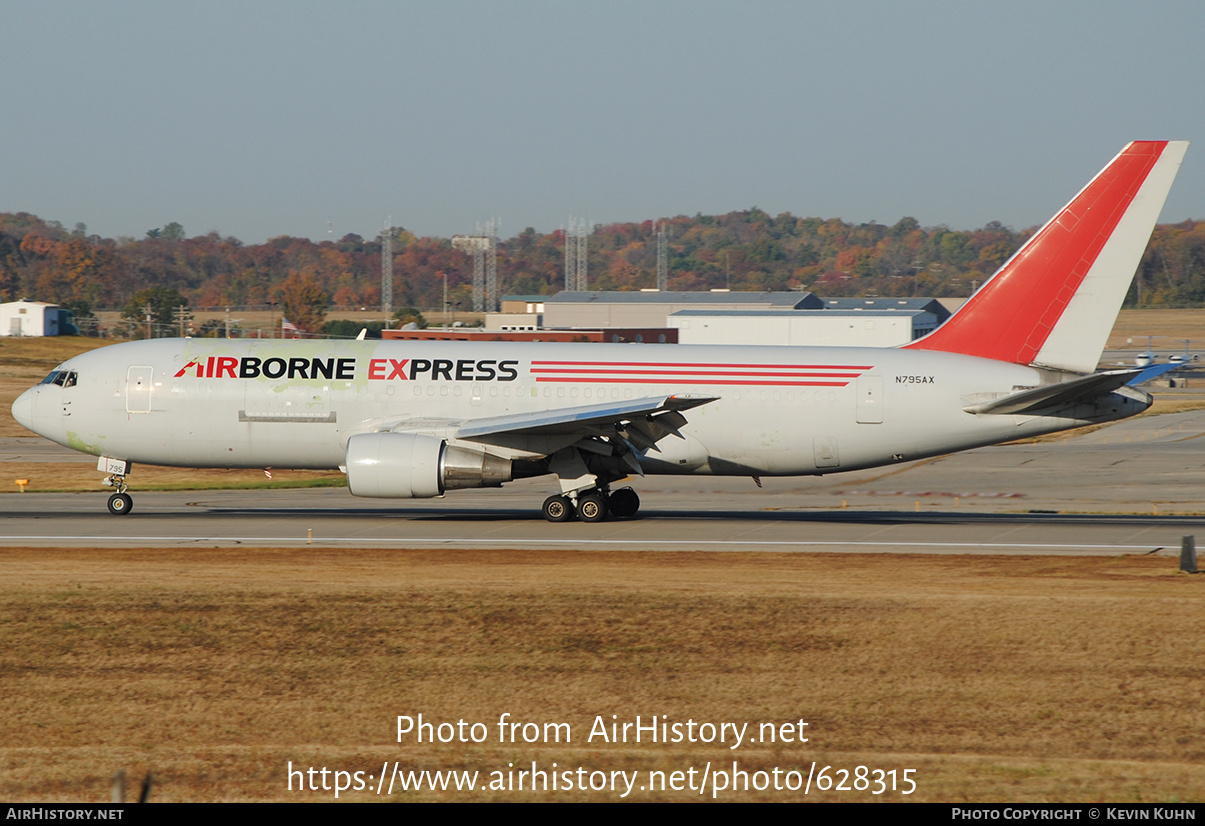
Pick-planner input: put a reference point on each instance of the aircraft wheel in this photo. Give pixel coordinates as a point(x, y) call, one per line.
point(120, 504)
point(623, 503)
point(558, 509)
point(592, 507)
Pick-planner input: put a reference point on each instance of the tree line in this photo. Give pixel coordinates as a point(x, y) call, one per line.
point(746, 250)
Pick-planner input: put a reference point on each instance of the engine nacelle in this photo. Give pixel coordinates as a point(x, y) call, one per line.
point(417, 466)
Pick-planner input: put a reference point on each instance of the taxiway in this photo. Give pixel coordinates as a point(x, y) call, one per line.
point(1135, 487)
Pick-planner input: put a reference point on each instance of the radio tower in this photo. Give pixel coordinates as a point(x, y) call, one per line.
point(662, 259)
point(570, 259)
point(387, 269)
point(582, 241)
point(484, 248)
point(491, 264)
point(576, 241)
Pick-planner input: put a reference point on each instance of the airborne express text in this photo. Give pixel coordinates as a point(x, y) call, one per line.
point(249, 367)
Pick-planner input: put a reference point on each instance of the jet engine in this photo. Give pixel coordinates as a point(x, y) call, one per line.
point(418, 466)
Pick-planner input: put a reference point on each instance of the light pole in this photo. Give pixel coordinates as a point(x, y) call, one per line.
point(444, 276)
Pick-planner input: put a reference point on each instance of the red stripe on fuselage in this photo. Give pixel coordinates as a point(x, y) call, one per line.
point(790, 374)
point(688, 380)
point(710, 365)
point(642, 372)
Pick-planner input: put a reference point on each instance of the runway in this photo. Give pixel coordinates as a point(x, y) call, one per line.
point(1133, 488)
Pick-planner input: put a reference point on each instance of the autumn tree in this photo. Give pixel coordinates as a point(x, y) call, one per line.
point(303, 301)
point(410, 315)
point(162, 304)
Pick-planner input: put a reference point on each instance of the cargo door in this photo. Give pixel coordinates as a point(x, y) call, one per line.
point(139, 389)
point(286, 402)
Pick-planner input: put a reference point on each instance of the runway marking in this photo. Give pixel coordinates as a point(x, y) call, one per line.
point(578, 542)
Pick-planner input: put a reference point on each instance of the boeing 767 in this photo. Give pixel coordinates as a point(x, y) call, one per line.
point(409, 419)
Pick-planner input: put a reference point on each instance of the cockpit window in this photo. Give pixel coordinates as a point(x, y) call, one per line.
point(63, 378)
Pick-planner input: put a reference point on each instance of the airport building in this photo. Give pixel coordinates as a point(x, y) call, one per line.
point(941, 308)
point(652, 308)
point(617, 335)
point(796, 328)
point(30, 318)
point(721, 317)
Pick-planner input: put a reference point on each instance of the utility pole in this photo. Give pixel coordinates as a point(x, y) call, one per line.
point(147, 309)
point(443, 276)
point(181, 317)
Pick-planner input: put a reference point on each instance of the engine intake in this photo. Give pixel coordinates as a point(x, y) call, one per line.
point(418, 466)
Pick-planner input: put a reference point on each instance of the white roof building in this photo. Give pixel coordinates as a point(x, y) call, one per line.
point(29, 318)
point(803, 328)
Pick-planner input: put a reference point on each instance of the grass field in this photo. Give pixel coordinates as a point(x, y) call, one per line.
point(996, 679)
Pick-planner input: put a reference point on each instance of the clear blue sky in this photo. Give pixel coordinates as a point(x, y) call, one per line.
point(264, 118)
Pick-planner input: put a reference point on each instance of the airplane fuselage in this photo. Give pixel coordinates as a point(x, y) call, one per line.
point(777, 411)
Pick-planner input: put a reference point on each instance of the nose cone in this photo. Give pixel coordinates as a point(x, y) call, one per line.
point(23, 409)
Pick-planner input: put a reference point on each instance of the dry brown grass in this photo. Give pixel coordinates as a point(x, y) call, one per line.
point(998, 679)
point(1170, 327)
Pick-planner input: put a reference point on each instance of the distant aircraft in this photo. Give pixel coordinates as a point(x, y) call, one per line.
point(1148, 358)
point(1186, 356)
point(412, 419)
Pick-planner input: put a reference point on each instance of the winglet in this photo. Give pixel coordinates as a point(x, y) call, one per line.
point(1054, 302)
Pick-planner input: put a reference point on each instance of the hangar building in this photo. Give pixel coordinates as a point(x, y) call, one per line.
point(652, 308)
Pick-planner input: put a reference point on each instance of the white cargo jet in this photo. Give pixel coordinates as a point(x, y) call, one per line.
point(416, 419)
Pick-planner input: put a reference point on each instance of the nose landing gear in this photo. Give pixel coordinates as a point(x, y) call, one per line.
point(120, 503)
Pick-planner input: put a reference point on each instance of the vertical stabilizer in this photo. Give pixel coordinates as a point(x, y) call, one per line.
point(1054, 302)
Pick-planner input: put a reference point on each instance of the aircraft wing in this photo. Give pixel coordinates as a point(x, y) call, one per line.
point(589, 419)
point(622, 428)
point(1057, 395)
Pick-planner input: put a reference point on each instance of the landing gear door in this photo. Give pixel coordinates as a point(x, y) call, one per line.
point(870, 400)
point(138, 389)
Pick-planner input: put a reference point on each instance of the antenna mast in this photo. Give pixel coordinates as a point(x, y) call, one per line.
point(576, 247)
point(484, 248)
point(387, 269)
point(662, 259)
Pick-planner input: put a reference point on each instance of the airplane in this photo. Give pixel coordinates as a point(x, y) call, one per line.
point(409, 419)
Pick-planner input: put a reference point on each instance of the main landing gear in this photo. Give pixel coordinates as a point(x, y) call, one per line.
point(593, 505)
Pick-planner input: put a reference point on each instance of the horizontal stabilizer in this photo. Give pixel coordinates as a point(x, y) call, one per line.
point(1057, 395)
point(1153, 372)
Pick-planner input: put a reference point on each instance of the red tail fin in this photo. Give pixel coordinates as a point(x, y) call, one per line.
point(1054, 302)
